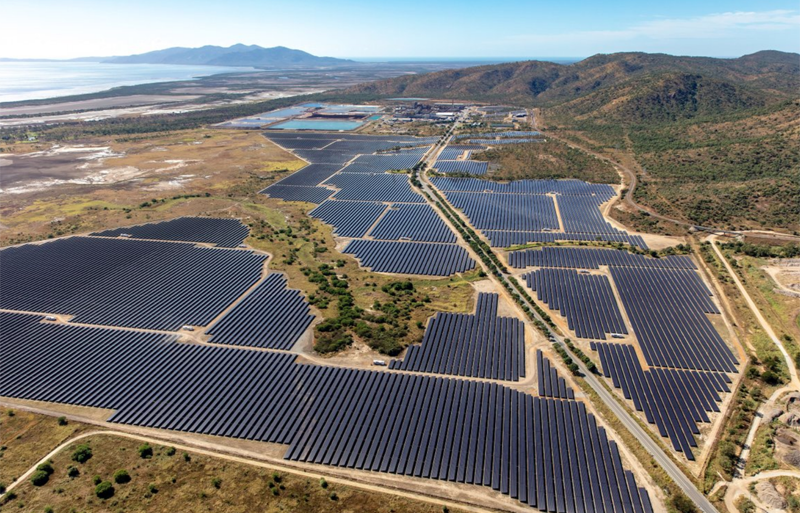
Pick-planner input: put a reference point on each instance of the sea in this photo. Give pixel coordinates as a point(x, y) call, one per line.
point(32, 80)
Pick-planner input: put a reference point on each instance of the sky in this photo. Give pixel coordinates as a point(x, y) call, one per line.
point(391, 29)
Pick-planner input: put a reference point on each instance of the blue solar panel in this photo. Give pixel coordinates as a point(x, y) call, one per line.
point(270, 316)
point(411, 257)
point(349, 218)
point(479, 345)
point(412, 222)
point(225, 233)
point(378, 187)
point(121, 282)
point(593, 258)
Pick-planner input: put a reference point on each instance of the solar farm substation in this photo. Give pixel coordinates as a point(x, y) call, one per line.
point(678, 369)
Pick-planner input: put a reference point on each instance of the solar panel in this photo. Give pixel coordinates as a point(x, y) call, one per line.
point(225, 233)
point(477, 345)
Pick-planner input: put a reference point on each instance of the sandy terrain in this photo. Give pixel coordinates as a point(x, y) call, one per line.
point(99, 103)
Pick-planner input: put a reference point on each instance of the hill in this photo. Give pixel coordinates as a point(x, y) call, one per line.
point(236, 55)
point(714, 141)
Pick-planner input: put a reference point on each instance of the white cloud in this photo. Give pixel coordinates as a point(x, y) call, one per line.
point(711, 26)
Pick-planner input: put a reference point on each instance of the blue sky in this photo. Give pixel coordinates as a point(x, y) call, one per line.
point(439, 28)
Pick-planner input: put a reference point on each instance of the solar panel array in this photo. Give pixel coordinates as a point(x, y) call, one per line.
point(328, 153)
point(412, 222)
point(550, 383)
point(501, 142)
point(520, 212)
point(480, 345)
point(87, 366)
point(674, 400)
point(121, 282)
point(585, 300)
point(225, 233)
point(471, 167)
point(667, 309)
point(374, 187)
point(270, 316)
point(424, 258)
point(349, 218)
point(593, 258)
point(363, 188)
point(453, 153)
point(310, 175)
point(432, 427)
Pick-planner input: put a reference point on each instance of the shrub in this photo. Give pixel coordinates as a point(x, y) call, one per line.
point(145, 451)
point(333, 496)
point(39, 478)
point(275, 492)
point(82, 453)
point(121, 476)
point(62, 421)
point(73, 471)
point(170, 451)
point(45, 467)
point(323, 483)
point(104, 490)
point(276, 477)
point(216, 482)
point(152, 488)
point(2, 488)
point(97, 480)
point(48, 509)
point(186, 457)
point(10, 413)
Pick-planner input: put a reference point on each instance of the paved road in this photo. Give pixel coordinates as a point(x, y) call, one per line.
point(611, 402)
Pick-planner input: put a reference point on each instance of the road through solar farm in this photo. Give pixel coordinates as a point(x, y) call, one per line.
point(418, 346)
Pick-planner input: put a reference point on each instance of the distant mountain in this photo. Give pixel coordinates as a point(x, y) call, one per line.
point(236, 55)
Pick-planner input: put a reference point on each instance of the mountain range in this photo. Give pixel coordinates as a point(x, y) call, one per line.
point(236, 55)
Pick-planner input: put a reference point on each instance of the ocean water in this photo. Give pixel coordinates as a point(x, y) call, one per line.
point(28, 80)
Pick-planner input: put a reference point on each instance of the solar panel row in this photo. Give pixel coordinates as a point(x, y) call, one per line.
point(547, 453)
point(501, 142)
point(121, 282)
point(270, 316)
point(225, 233)
point(667, 309)
point(503, 239)
point(349, 218)
point(422, 258)
point(310, 175)
point(585, 300)
point(550, 383)
point(388, 162)
point(374, 187)
point(674, 400)
point(479, 345)
point(461, 166)
point(412, 222)
point(593, 258)
point(507, 211)
point(452, 153)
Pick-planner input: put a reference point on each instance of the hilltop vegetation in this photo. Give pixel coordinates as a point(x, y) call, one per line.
point(548, 159)
point(717, 141)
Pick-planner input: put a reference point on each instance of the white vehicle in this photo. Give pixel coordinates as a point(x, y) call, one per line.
point(188, 328)
point(126, 235)
point(382, 363)
point(50, 318)
point(617, 335)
